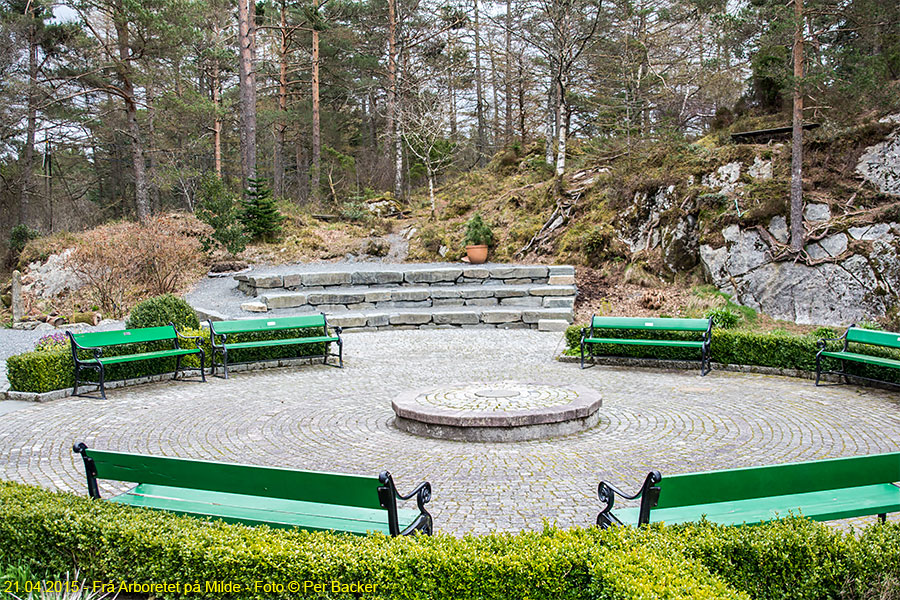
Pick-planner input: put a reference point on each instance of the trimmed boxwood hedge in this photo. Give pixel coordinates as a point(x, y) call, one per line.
point(53, 533)
point(779, 350)
point(47, 370)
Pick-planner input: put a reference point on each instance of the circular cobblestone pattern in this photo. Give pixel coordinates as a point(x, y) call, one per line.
point(506, 411)
point(323, 418)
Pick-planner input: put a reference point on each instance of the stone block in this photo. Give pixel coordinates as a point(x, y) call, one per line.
point(561, 280)
point(457, 318)
point(326, 278)
point(529, 301)
point(254, 307)
point(481, 292)
point(342, 297)
point(446, 292)
point(378, 320)
point(274, 301)
point(410, 294)
point(518, 281)
point(267, 281)
point(294, 280)
point(558, 301)
point(410, 318)
point(552, 290)
point(476, 273)
point(552, 325)
point(513, 271)
point(533, 316)
point(413, 304)
point(361, 306)
point(817, 212)
point(501, 316)
point(448, 302)
point(482, 302)
point(376, 277)
point(504, 292)
point(379, 296)
point(561, 270)
point(347, 319)
point(435, 275)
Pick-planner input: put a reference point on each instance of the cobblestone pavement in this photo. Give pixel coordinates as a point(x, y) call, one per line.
point(318, 417)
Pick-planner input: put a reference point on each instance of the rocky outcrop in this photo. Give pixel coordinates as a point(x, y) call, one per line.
point(849, 287)
point(880, 164)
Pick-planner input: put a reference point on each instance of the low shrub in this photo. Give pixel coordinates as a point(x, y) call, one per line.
point(162, 310)
point(723, 317)
point(53, 369)
point(49, 532)
point(780, 350)
point(125, 261)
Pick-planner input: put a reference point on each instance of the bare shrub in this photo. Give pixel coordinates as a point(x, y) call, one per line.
point(125, 262)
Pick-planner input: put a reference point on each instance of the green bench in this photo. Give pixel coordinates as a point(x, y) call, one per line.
point(96, 342)
point(856, 335)
point(281, 498)
point(823, 490)
point(221, 330)
point(650, 324)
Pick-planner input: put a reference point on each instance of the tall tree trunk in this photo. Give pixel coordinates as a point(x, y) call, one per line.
point(155, 204)
point(247, 44)
point(217, 123)
point(495, 85)
point(797, 134)
point(522, 103)
point(316, 132)
point(141, 192)
point(27, 191)
point(550, 134)
point(507, 77)
point(392, 102)
point(562, 125)
point(479, 94)
point(279, 125)
point(451, 87)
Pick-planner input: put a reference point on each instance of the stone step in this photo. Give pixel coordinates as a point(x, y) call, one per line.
point(321, 277)
point(509, 317)
point(364, 298)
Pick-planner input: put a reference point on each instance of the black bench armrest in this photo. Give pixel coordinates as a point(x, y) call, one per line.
point(820, 344)
point(649, 495)
point(388, 496)
point(197, 339)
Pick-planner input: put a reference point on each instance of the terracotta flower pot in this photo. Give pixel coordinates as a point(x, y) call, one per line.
point(477, 254)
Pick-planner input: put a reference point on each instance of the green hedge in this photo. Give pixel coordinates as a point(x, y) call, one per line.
point(52, 533)
point(48, 370)
point(739, 347)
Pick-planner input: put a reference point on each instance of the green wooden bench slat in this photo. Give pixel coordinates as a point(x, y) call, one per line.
point(253, 510)
point(864, 358)
point(878, 338)
point(858, 336)
point(285, 342)
point(100, 339)
point(821, 506)
point(111, 360)
point(777, 480)
point(288, 484)
point(673, 343)
point(650, 323)
point(274, 324)
point(828, 489)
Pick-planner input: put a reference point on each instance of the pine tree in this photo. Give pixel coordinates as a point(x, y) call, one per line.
point(259, 215)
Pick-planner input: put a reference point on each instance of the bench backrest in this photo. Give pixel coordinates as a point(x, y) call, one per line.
point(99, 339)
point(270, 482)
point(778, 480)
point(276, 324)
point(650, 323)
point(877, 338)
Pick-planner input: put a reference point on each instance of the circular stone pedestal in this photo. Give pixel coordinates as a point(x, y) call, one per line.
point(505, 411)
